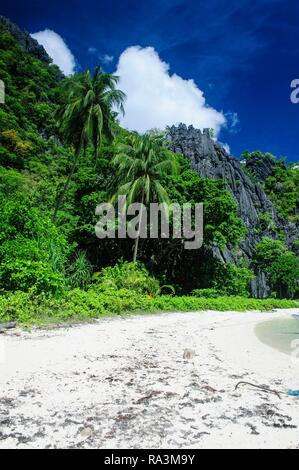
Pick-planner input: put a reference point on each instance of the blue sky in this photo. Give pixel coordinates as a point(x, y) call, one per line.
point(242, 55)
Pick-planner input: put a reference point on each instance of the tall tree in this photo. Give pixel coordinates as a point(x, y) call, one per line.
point(88, 114)
point(141, 162)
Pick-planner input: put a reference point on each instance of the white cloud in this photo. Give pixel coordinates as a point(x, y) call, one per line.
point(106, 58)
point(57, 50)
point(156, 99)
point(232, 122)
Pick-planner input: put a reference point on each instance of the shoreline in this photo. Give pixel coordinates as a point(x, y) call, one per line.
point(152, 381)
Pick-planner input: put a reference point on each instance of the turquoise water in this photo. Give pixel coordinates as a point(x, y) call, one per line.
point(279, 333)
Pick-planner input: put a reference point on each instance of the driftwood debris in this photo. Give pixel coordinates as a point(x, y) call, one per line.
point(260, 387)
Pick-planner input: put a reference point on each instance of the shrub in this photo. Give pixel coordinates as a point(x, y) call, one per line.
point(32, 250)
point(284, 274)
point(126, 275)
point(224, 303)
point(28, 308)
point(280, 264)
point(207, 293)
point(23, 274)
point(267, 251)
point(232, 280)
point(79, 272)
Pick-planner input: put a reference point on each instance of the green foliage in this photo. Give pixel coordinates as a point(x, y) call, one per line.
point(228, 280)
point(26, 308)
point(284, 274)
point(282, 183)
point(125, 275)
point(221, 222)
point(210, 293)
point(233, 303)
point(28, 112)
point(281, 265)
point(25, 274)
point(248, 155)
point(86, 112)
point(266, 221)
point(32, 251)
point(267, 251)
point(79, 271)
point(282, 187)
point(140, 163)
point(232, 280)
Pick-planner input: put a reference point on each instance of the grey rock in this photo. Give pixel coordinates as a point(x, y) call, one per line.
point(261, 168)
point(7, 325)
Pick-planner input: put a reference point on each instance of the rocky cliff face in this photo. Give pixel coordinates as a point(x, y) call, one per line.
point(211, 160)
point(26, 41)
point(261, 168)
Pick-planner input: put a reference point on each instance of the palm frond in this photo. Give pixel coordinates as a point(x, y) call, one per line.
point(88, 109)
point(162, 193)
point(169, 167)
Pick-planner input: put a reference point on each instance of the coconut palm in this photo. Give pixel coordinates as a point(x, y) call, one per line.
point(141, 162)
point(87, 114)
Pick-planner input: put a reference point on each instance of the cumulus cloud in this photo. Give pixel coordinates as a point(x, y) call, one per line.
point(57, 50)
point(156, 99)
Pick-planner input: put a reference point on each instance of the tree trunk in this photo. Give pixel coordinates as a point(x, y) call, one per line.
point(138, 233)
point(65, 188)
point(135, 249)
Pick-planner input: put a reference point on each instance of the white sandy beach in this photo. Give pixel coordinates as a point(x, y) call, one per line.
point(127, 383)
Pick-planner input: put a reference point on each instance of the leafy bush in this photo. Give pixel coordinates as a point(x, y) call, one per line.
point(225, 303)
point(232, 280)
point(280, 264)
point(79, 271)
point(25, 307)
point(207, 293)
point(32, 251)
point(267, 251)
point(281, 184)
point(228, 279)
point(24, 274)
point(126, 275)
point(284, 274)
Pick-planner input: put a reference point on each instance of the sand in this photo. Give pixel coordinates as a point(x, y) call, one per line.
point(151, 381)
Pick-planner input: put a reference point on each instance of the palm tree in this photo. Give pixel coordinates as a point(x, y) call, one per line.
point(87, 115)
point(141, 162)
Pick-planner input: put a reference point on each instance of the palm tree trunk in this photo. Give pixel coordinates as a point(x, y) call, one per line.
point(65, 187)
point(138, 233)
